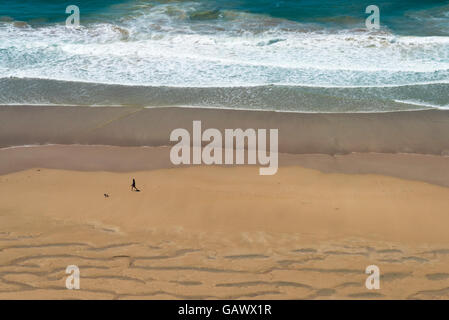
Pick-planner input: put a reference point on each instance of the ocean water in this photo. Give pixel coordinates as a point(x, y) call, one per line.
point(304, 55)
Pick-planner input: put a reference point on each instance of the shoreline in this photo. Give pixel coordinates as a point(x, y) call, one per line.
point(299, 133)
point(424, 108)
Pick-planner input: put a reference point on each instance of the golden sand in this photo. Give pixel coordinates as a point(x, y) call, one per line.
point(214, 232)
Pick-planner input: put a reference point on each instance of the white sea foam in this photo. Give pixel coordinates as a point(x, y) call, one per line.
point(424, 104)
point(156, 49)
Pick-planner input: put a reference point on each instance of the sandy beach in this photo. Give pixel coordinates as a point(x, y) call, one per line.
point(215, 232)
point(210, 149)
point(211, 232)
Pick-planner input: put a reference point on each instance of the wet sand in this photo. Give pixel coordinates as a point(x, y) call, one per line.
point(421, 132)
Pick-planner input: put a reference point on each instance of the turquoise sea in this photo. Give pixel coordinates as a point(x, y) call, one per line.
point(305, 55)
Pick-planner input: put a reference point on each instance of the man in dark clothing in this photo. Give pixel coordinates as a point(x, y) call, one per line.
point(133, 186)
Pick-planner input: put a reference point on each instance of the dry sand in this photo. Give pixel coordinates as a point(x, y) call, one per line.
point(215, 232)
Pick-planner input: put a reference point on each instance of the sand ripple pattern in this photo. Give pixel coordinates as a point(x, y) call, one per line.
point(171, 265)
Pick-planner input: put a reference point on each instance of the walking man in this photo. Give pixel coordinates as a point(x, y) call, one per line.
point(133, 186)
